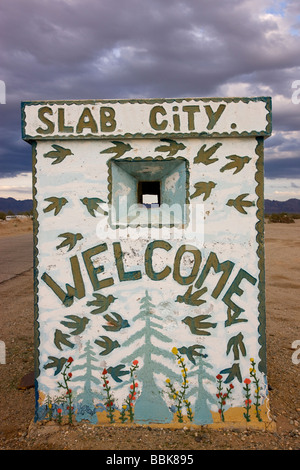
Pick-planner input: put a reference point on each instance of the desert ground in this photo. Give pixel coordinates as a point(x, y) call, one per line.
point(17, 398)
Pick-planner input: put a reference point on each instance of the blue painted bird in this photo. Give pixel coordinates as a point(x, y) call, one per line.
point(57, 363)
point(115, 324)
point(116, 372)
point(190, 351)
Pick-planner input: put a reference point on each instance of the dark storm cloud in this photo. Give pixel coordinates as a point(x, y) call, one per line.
point(122, 49)
point(283, 168)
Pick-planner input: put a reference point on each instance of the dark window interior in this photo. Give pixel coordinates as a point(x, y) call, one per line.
point(148, 193)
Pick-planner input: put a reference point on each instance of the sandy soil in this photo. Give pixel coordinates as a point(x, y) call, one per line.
point(18, 432)
point(10, 228)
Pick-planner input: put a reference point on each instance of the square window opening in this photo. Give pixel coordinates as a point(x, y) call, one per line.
point(149, 193)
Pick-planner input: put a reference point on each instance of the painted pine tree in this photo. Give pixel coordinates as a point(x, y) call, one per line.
point(150, 406)
point(202, 413)
point(87, 409)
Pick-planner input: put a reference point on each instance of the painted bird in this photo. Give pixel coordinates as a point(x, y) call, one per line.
point(76, 323)
point(172, 148)
point(190, 351)
point(203, 188)
point(57, 363)
point(119, 149)
point(233, 372)
point(197, 324)
point(204, 156)
point(59, 154)
point(70, 239)
point(237, 163)
point(116, 372)
point(57, 204)
point(238, 203)
point(115, 324)
point(192, 299)
point(92, 205)
point(62, 338)
point(101, 302)
point(107, 344)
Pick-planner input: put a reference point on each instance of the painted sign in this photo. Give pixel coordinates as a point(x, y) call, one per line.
point(149, 260)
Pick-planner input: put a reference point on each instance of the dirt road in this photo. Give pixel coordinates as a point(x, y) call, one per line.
point(16, 255)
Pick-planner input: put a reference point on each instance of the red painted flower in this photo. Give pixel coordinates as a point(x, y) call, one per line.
point(70, 374)
point(219, 377)
point(231, 386)
point(70, 359)
point(247, 381)
point(135, 362)
point(248, 402)
point(104, 372)
point(59, 410)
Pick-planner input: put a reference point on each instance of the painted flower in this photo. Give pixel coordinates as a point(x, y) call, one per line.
point(247, 381)
point(59, 410)
point(135, 362)
point(168, 381)
point(104, 372)
point(70, 374)
point(251, 359)
point(231, 386)
point(70, 359)
point(175, 350)
point(248, 402)
point(219, 377)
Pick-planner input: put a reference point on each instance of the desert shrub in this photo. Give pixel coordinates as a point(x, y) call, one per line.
point(282, 218)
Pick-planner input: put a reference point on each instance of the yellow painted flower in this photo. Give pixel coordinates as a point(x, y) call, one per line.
point(50, 406)
point(124, 407)
point(168, 381)
point(251, 359)
point(175, 350)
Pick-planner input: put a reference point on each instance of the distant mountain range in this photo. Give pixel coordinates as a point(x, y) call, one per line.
point(14, 205)
point(292, 206)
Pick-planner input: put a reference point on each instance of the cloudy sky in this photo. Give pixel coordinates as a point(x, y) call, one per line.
point(107, 49)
